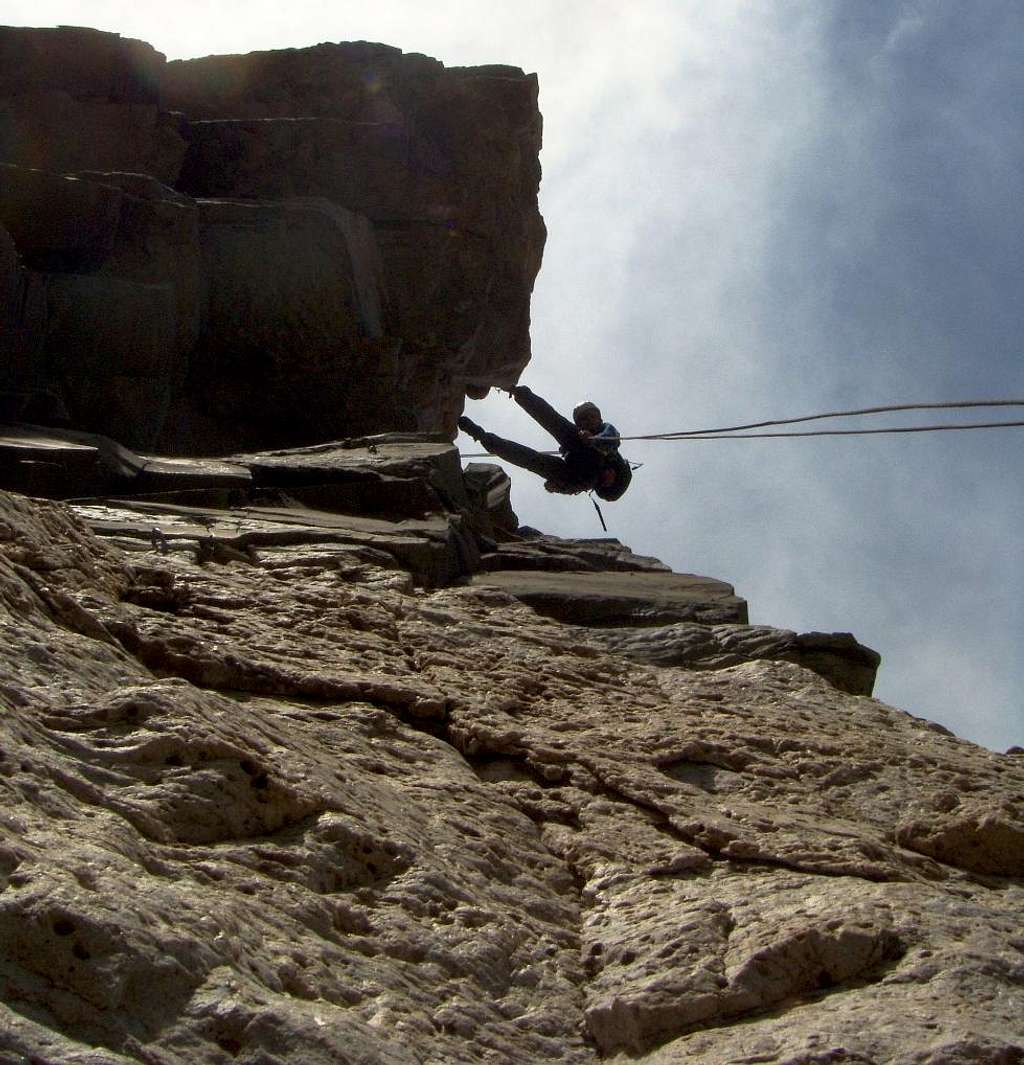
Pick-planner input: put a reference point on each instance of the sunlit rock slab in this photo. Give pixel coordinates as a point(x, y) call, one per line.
point(434, 548)
point(837, 656)
point(325, 811)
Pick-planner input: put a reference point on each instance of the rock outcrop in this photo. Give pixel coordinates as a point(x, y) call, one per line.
point(344, 234)
point(79, 99)
point(299, 765)
point(314, 753)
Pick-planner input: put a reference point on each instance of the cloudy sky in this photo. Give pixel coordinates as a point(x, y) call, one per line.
point(755, 210)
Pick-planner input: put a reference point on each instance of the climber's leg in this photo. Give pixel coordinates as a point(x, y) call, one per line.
point(550, 467)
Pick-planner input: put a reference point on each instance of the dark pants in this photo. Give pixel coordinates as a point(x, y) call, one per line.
point(579, 470)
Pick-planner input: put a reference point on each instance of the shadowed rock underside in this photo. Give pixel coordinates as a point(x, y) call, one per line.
point(347, 234)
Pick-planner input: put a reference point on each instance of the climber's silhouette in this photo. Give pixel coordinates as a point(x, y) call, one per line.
point(590, 459)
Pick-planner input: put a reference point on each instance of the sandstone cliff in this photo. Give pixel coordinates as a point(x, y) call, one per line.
point(303, 761)
point(345, 235)
point(314, 753)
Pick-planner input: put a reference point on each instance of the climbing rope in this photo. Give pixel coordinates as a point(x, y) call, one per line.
point(721, 435)
point(741, 432)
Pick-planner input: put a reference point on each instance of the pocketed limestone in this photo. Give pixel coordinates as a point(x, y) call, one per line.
point(281, 803)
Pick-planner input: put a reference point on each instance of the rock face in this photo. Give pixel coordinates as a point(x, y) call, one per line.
point(79, 99)
point(293, 770)
point(313, 754)
point(344, 234)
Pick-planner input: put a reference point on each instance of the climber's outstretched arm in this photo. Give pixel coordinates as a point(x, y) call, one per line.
point(563, 430)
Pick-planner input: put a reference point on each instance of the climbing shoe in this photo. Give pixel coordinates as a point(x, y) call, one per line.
point(470, 428)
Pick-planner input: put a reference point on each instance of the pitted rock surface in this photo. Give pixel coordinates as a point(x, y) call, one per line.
point(290, 803)
point(309, 751)
point(837, 656)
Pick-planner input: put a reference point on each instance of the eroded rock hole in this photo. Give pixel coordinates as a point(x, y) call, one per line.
point(230, 1045)
point(703, 775)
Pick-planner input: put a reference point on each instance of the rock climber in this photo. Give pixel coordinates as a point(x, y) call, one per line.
point(589, 461)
